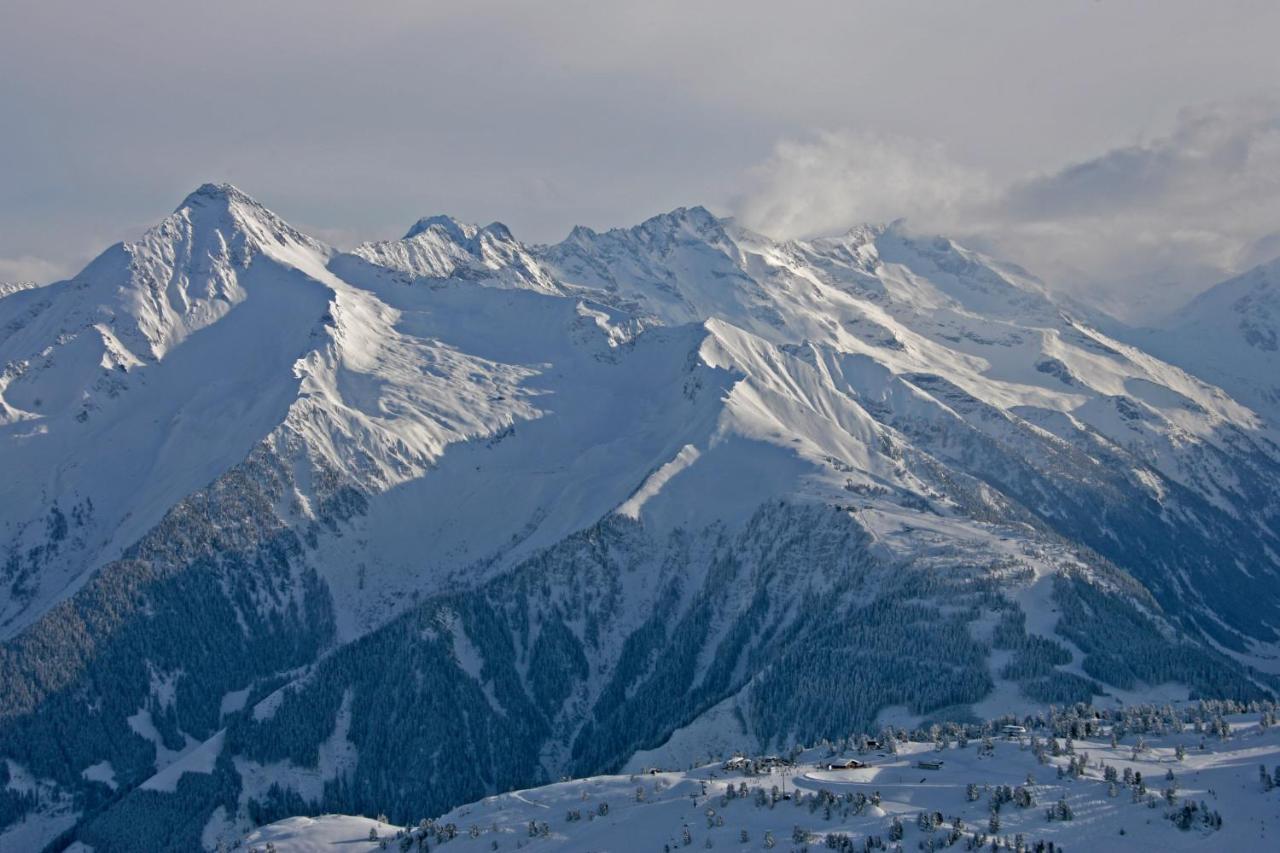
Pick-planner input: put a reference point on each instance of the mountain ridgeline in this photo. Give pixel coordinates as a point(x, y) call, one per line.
point(286, 529)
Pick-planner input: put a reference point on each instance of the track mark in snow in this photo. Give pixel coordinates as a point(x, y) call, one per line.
point(527, 801)
point(632, 506)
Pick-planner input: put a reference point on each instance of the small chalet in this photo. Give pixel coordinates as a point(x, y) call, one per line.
point(929, 764)
point(843, 764)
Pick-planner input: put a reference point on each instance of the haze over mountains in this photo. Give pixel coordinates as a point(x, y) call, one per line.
point(287, 528)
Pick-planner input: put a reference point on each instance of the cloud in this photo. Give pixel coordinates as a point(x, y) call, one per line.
point(29, 269)
point(838, 179)
point(545, 116)
point(1217, 152)
point(1136, 230)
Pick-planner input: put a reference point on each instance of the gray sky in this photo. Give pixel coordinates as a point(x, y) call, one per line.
point(1035, 129)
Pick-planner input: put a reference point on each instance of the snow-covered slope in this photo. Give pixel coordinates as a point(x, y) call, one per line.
point(576, 499)
point(913, 306)
point(1198, 791)
point(438, 248)
point(379, 359)
point(1230, 335)
point(969, 360)
point(140, 381)
point(10, 287)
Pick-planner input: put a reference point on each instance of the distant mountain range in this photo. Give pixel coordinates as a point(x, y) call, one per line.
point(7, 287)
point(286, 529)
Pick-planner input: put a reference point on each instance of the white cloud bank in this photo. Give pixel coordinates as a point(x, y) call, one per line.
point(29, 269)
point(1137, 230)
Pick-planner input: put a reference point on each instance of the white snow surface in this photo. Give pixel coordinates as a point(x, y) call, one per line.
point(319, 834)
point(1223, 775)
point(489, 398)
point(8, 287)
point(197, 759)
point(1231, 336)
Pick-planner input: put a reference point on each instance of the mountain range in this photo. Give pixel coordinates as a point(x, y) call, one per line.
point(285, 528)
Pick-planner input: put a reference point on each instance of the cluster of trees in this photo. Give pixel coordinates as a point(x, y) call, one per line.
point(14, 805)
point(1205, 717)
point(1082, 488)
point(1193, 813)
point(143, 821)
point(410, 696)
point(1269, 781)
point(1021, 796)
point(1124, 647)
point(421, 647)
point(841, 842)
point(1035, 661)
point(847, 664)
point(795, 609)
point(22, 565)
point(941, 832)
point(1060, 810)
point(534, 631)
point(214, 598)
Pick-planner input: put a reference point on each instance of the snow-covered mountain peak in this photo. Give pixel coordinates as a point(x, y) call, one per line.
point(971, 280)
point(138, 300)
point(1230, 335)
point(694, 216)
point(443, 228)
point(185, 273)
point(149, 374)
point(679, 267)
point(865, 233)
point(7, 287)
point(694, 223)
point(855, 249)
point(660, 232)
point(438, 248)
point(212, 192)
point(921, 307)
point(239, 220)
point(455, 229)
point(1251, 300)
point(680, 466)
